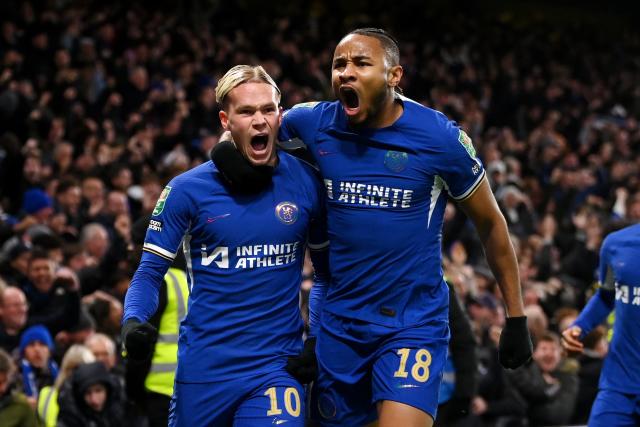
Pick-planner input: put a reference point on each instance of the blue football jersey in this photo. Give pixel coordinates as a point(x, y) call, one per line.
point(618, 268)
point(386, 192)
point(244, 257)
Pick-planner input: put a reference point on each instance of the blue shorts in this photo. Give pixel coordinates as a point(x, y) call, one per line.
point(266, 400)
point(360, 364)
point(612, 408)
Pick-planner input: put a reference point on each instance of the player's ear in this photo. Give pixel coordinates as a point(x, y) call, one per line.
point(224, 119)
point(394, 75)
point(281, 111)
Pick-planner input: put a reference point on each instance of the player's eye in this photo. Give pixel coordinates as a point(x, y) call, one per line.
point(338, 64)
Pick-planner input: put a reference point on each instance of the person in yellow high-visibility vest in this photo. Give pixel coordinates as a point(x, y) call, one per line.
point(150, 383)
point(48, 409)
point(165, 356)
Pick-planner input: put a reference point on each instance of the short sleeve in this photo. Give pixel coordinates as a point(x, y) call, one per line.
point(460, 168)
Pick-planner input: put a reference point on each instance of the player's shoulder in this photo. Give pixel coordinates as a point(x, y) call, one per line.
point(194, 177)
point(298, 166)
point(310, 106)
point(310, 110)
point(437, 129)
point(432, 121)
point(417, 111)
point(629, 233)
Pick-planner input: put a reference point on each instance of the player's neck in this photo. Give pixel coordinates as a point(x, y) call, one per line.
point(274, 161)
point(387, 114)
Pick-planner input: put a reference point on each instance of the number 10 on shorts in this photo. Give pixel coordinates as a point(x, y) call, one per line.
point(420, 364)
point(291, 402)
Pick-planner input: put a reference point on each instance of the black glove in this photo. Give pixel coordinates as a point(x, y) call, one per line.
point(515, 346)
point(304, 367)
point(139, 340)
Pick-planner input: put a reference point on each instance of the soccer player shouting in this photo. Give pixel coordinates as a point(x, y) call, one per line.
point(389, 165)
point(244, 220)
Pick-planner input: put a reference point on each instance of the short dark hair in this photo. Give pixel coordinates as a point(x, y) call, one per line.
point(47, 241)
point(39, 253)
point(549, 337)
point(389, 43)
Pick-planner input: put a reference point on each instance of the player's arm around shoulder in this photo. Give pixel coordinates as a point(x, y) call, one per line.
point(302, 121)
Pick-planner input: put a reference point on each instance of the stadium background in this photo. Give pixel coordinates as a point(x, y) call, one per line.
point(100, 105)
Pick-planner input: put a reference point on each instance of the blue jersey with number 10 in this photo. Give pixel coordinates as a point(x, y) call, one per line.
point(387, 191)
point(244, 257)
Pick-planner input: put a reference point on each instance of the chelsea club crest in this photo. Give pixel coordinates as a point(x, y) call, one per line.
point(396, 161)
point(287, 212)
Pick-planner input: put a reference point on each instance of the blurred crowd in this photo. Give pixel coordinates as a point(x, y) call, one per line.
point(101, 105)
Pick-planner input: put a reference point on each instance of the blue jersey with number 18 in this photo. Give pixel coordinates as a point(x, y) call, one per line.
point(387, 191)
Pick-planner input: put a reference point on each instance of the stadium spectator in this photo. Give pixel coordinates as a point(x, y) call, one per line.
point(15, 410)
point(48, 407)
point(13, 317)
point(93, 397)
point(103, 348)
point(37, 367)
point(14, 262)
point(549, 386)
point(53, 297)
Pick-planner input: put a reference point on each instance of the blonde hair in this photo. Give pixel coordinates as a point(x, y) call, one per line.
point(242, 74)
point(75, 356)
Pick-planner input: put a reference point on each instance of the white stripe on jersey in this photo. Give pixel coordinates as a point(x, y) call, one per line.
point(159, 250)
point(436, 189)
point(471, 189)
point(186, 248)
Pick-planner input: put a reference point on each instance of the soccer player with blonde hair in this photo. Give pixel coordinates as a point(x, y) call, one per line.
point(243, 220)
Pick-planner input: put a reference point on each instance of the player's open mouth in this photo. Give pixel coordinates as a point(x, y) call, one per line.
point(350, 100)
point(259, 142)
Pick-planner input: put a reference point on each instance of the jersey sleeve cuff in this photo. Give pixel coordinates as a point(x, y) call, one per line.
point(471, 189)
point(157, 250)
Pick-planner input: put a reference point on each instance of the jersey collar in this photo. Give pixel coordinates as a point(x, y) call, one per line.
point(338, 126)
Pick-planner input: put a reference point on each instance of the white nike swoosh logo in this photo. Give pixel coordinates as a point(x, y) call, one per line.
point(217, 217)
point(408, 386)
